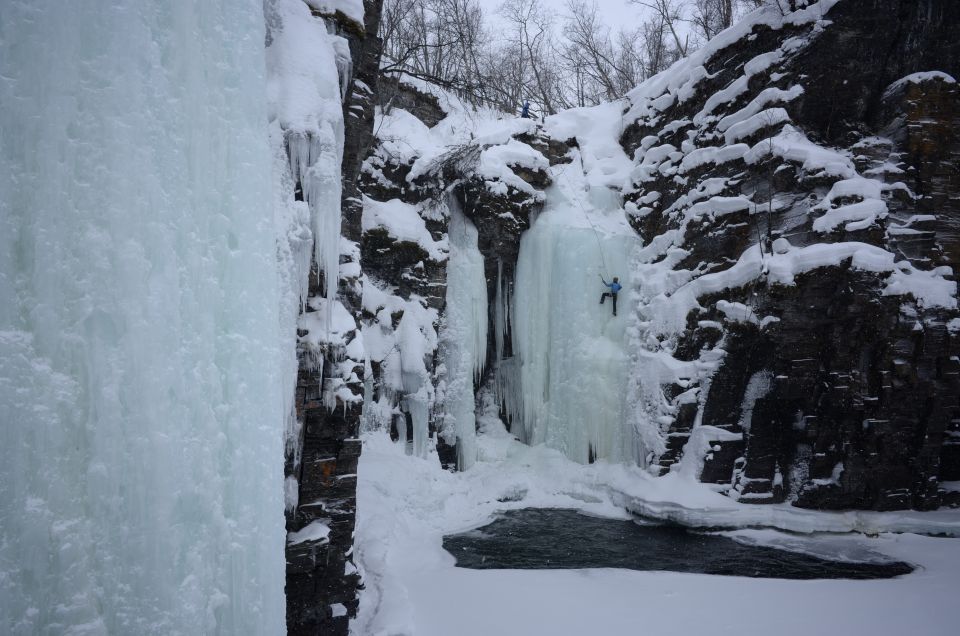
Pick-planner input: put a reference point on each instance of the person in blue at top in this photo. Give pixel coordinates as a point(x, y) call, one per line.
point(525, 111)
point(615, 288)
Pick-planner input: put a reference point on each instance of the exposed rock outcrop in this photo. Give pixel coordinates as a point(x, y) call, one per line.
point(322, 581)
point(793, 156)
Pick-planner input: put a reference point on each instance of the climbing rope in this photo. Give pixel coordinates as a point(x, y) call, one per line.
point(596, 233)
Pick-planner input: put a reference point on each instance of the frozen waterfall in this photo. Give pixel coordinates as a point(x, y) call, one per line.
point(141, 483)
point(567, 383)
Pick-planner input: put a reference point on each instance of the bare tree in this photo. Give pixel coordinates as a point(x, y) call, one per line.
point(670, 13)
point(587, 54)
point(447, 42)
point(602, 65)
point(711, 17)
point(441, 41)
point(533, 39)
point(657, 54)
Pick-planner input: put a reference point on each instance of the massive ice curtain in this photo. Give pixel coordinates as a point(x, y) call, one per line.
point(569, 389)
point(141, 486)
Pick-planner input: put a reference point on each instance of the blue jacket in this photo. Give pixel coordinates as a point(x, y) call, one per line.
point(614, 287)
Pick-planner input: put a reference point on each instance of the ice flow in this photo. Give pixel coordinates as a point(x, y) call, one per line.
point(567, 382)
point(141, 484)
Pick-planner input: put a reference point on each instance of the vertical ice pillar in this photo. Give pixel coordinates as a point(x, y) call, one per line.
point(501, 313)
point(465, 334)
point(141, 484)
point(415, 380)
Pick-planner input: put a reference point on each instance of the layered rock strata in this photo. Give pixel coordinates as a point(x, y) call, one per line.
point(794, 183)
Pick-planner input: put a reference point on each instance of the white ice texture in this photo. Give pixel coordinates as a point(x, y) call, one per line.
point(141, 484)
point(307, 70)
point(465, 334)
point(566, 386)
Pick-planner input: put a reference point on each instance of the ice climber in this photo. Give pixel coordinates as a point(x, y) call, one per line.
point(525, 111)
point(615, 288)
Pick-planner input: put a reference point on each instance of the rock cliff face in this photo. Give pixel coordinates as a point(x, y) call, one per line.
point(832, 384)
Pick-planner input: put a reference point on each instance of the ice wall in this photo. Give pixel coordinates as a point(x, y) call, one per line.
point(465, 334)
point(566, 385)
point(141, 485)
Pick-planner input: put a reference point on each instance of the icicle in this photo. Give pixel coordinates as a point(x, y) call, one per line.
point(401, 424)
point(368, 420)
point(301, 246)
point(315, 159)
point(344, 60)
point(414, 378)
point(418, 405)
point(344, 67)
point(323, 195)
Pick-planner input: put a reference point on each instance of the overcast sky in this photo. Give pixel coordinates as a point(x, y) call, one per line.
point(616, 13)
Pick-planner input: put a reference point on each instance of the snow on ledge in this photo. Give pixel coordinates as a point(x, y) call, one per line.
point(496, 160)
point(353, 9)
point(512, 153)
point(855, 216)
point(669, 312)
point(314, 531)
point(930, 288)
point(767, 96)
point(792, 144)
point(402, 222)
point(329, 323)
point(917, 78)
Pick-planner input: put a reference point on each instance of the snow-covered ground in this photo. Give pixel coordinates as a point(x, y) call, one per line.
point(407, 504)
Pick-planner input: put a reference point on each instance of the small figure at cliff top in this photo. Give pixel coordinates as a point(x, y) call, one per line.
point(525, 111)
point(615, 288)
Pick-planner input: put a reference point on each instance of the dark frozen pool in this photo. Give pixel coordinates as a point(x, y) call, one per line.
point(539, 538)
